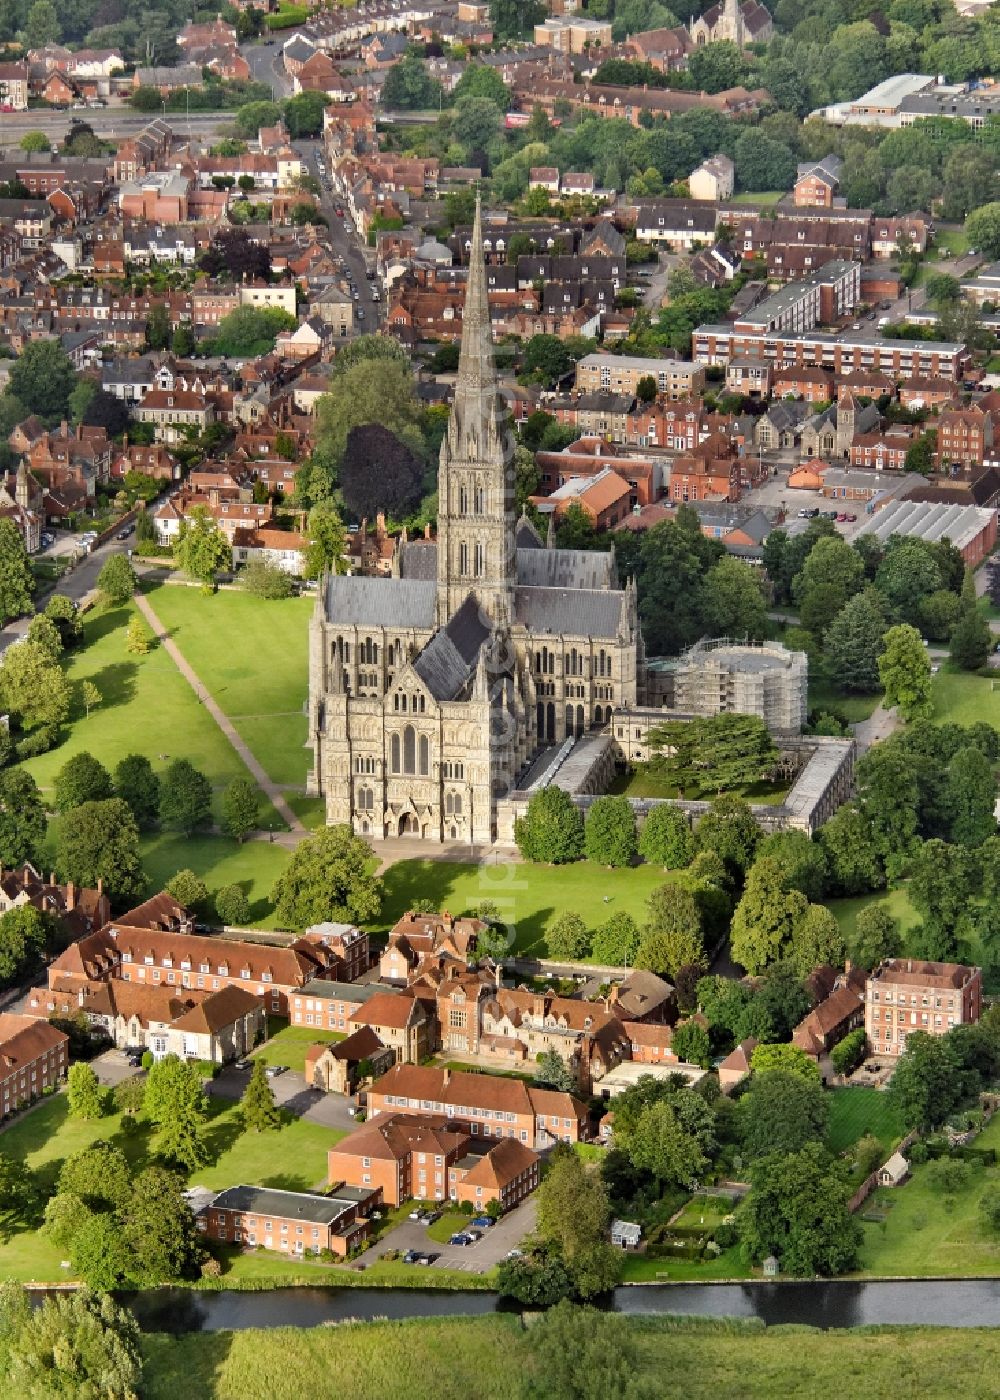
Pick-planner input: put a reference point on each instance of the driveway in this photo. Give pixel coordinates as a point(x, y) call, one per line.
point(112, 1067)
point(292, 1093)
point(478, 1258)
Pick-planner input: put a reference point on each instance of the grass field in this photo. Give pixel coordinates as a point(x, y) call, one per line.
point(897, 901)
point(288, 1046)
point(759, 197)
point(961, 697)
point(824, 696)
point(416, 1361)
point(956, 240)
point(529, 897)
point(855, 1112)
point(260, 677)
point(146, 707)
point(219, 861)
point(645, 782)
point(293, 1157)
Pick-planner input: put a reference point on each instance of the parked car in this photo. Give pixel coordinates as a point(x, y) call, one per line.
point(483, 1222)
point(134, 1054)
point(431, 1216)
point(361, 314)
point(417, 1213)
point(460, 1238)
point(851, 517)
point(411, 1256)
point(426, 1259)
point(473, 1235)
point(273, 1071)
point(515, 1254)
point(841, 517)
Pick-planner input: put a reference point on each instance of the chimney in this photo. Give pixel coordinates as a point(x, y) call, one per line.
point(100, 885)
point(52, 877)
point(380, 524)
point(70, 895)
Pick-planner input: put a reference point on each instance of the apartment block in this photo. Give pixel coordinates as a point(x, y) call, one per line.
point(620, 374)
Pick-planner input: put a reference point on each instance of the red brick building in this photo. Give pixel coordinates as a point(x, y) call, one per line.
point(290, 1222)
point(904, 995)
point(33, 1056)
point(964, 434)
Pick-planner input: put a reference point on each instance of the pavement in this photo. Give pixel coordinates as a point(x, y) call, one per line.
point(292, 1093)
point(479, 1258)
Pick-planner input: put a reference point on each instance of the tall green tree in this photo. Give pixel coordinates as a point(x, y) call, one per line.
point(42, 377)
point(971, 798)
point(831, 574)
point(854, 642)
point(241, 807)
point(728, 828)
point(25, 934)
point(76, 1344)
point(100, 841)
point(609, 832)
point(711, 754)
point(666, 838)
point(257, 1106)
point(117, 580)
point(876, 936)
point(798, 1211)
point(734, 601)
point(202, 550)
point(327, 541)
point(551, 830)
point(816, 941)
point(766, 917)
point(971, 639)
point(925, 1085)
point(782, 1112)
point(185, 798)
point(85, 1096)
point(568, 937)
point(802, 860)
point(82, 778)
point(16, 579)
point(330, 876)
point(673, 937)
point(22, 818)
point(138, 785)
point(616, 941)
point(160, 1230)
point(34, 689)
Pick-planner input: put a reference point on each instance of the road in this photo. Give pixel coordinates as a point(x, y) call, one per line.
point(266, 67)
point(346, 245)
point(76, 584)
point(109, 122)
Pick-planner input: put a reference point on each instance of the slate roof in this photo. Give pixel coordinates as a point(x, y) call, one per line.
point(564, 568)
point(418, 560)
point(572, 612)
point(447, 660)
point(373, 602)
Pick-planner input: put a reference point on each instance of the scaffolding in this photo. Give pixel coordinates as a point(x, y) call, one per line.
point(727, 675)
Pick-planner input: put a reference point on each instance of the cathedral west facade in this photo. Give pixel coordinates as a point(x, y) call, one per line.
point(431, 691)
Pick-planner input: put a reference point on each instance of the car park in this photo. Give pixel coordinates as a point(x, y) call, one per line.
point(417, 1213)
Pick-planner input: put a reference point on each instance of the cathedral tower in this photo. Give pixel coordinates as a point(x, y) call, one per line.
point(475, 552)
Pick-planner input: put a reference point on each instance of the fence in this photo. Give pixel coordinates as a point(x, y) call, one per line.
point(868, 1185)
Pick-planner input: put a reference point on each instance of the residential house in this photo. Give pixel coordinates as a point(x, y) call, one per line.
point(713, 179)
point(34, 1056)
point(903, 995)
point(416, 936)
point(604, 498)
point(13, 87)
point(77, 909)
point(842, 1010)
point(965, 435)
point(400, 1021)
point(295, 1223)
point(817, 182)
point(330, 1004)
point(338, 1068)
point(736, 1066)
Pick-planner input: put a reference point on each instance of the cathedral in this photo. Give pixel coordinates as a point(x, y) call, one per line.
point(740, 23)
point(431, 691)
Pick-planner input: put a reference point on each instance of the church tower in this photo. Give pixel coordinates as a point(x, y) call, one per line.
point(475, 546)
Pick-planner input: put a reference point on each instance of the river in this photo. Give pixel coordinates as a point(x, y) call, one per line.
point(945, 1303)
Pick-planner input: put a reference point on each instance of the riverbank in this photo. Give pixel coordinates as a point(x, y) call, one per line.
point(438, 1358)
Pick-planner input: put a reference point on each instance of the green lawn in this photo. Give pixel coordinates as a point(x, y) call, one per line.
point(956, 240)
point(855, 1112)
point(759, 197)
point(442, 1230)
point(289, 1045)
point(219, 861)
point(646, 782)
point(924, 1234)
point(293, 1158)
point(730, 1264)
point(897, 901)
point(147, 707)
point(528, 896)
point(962, 697)
point(852, 708)
point(260, 678)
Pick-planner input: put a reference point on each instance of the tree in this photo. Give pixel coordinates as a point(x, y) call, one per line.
point(138, 785)
point(552, 1072)
point(763, 163)
point(185, 798)
point(666, 838)
point(908, 574)
point(262, 579)
point(44, 633)
point(832, 572)
point(941, 883)
point(22, 818)
point(551, 830)
point(137, 637)
point(189, 890)
point(90, 696)
point(80, 1344)
point(971, 638)
point(476, 123)
point(182, 342)
point(98, 1176)
point(616, 942)
point(234, 254)
point(816, 941)
point(673, 936)
point(853, 643)
point(100, 841)
point(379, 472)
point(798, 1211)
point(84, 1093)
point(325, 534)
point(733, 601)
point(158, 327)
point(330, 876)
point(904, 669)
point(802, 860)
point(25, 933)
point(202, 549)
point(660, 1145)
point(609, 832)
point(645, 389)
point(729, 829)
point(66, 616)
point(34, 688)
point(766, 917)
point(845, 1057)
point(971, 795)
point(782, 1112)
point(117, 580)
point(690, 1043)
point(925, 1085)
point(98, 1252)
point(232, 906)
point(16, 579)
point(42, 25)
point(409, 87)
point(241, 808)
point(983, 229)
point(568, 937)
point(573, 1215)
point(303, 114)
point(42, 378)
point(579, 1354)
point(174, 1100)
point(876, 937)
point(713, 753)
point(257, 1106)
point(376, 391)
point(785, 1059)
point(159, 1230)
point(35, 141)
point(81, 779)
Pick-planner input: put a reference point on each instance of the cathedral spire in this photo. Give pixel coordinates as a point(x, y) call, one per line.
point(476, 370)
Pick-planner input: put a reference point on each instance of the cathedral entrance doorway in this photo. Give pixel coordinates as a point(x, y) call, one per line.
point(408, 824)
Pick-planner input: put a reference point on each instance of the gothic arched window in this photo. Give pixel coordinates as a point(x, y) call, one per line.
point(409, 749)
point(394, 754)
point(425, 756)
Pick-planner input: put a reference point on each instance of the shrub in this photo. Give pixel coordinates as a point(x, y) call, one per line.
point(846, 1056)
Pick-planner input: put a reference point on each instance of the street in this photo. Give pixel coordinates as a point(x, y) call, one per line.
point(76, 584)
point(346, 245)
